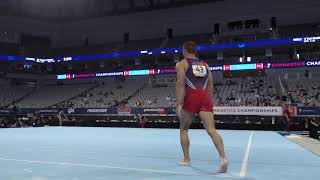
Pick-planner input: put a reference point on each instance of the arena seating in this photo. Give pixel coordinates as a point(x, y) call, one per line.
point(160, 92)
point(229, 92)
point(49, 95)
point(9, 94)
point(110, 92)
point(303, 91)
point(246, 92)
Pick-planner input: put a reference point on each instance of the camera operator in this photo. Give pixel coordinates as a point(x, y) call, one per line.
point(313, 126)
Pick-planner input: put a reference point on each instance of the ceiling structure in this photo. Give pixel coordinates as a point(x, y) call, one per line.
point(70, 23)
point(70, 10)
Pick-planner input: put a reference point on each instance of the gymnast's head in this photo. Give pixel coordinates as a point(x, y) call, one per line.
point(189, 49)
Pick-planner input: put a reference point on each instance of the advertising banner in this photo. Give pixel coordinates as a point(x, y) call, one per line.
point(247, 110)
point(308, 111)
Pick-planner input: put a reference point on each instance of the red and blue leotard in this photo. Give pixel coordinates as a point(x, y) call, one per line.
point(197, 97)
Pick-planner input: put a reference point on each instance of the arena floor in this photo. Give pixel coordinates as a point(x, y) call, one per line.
point(55, 153)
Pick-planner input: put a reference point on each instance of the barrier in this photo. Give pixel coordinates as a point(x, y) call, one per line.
point(218, 110)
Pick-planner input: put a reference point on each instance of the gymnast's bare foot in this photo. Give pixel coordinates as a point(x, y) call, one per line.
point(223, 166)
point(184, 163)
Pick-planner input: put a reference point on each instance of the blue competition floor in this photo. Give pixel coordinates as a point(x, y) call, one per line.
point(147, 154)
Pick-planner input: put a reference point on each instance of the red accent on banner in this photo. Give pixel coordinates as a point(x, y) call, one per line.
point(259, 66)
point(126, 73)
point(161, 110)
point(227, 67)
point(124, 110)
point(151, 72)
point(292, 110)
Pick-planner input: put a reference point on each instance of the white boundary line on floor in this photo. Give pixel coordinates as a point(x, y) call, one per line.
point(244, 166)
point(120, 168)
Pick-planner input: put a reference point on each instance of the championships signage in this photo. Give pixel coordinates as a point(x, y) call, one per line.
point(226, 67)
point(248, 110)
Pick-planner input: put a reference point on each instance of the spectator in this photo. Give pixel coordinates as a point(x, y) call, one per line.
point(116, 102)
point(306, 73)
point(313, 126)
point(247, 121)
point(155, 100)
point(236, 120)
point(62, 117)
point(142, 103)
point(273, 120)
point(284, 98)
point(49, 120)
point(137, 104)
point(3, 122)
point(38, 121)
point(18, 123)
point(142, 121)
point(286, 117)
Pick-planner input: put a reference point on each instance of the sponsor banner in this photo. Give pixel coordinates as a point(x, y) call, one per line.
point(171, 110)
point(44, 111)
point(308, 111)
point(313, 63)
point(155, 110)
point(311, 39)
point(216, 68)
point(284, 64)
point(166, 71)
point(71, 110)
point(41, 111)
point(124, 111)
point(108, 74)
point(247, 110)
point(5, 111)
point(93, 111)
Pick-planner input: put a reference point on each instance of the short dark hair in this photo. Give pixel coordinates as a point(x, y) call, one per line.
point(190, 47)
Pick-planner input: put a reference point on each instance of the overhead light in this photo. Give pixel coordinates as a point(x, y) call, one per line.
point(163, 52)
point(176, 51)
point(144, 52)
point(150, 53)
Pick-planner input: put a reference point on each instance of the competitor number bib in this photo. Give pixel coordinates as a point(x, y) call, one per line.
point(199, 70)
